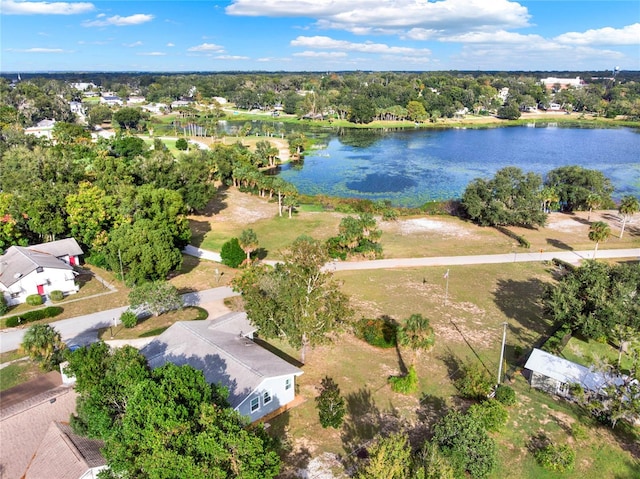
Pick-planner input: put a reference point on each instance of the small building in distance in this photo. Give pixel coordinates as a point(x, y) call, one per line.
point(553, 83)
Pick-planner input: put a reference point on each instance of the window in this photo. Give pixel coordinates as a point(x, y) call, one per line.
point(39, 269)
point(287, 383)
point(266, 397)
point(255, 404)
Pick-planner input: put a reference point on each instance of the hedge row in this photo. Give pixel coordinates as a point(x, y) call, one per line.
point(48, 312)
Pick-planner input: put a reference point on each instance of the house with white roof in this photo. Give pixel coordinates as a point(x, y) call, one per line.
point(555, 375)
point(39, 269)
point(259, 382)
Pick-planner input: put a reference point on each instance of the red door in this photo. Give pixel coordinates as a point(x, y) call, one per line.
point(41, 289)
point(72, 260)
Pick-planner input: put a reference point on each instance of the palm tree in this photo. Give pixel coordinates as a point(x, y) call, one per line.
point(599, 231)
point(43, 343)
point(248, 242)
point(593, 201)
point(628, 207)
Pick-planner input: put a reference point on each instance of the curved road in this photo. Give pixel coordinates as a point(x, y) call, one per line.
point(83, 329)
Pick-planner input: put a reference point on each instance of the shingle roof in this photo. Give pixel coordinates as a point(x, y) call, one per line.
point(64, 455)
point(19, 261)
point(220, 349)
point(59, 248)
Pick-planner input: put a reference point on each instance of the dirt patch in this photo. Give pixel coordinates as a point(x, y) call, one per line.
point(425, 226)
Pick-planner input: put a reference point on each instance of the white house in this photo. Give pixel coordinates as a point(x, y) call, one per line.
point(551, 83)
point(258, 381)
point(111, 100)
point(39, 269)
point(555, 375)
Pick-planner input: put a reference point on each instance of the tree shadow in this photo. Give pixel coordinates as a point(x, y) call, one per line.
point(521, 302)
point(217, 203)
point(364, 421)
point(559, 244)
point(430, 410)
point(294, 456)
point(199, 230)
point(260, 253)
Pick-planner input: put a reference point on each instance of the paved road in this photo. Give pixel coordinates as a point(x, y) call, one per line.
point(83, 330)
point(515, 257)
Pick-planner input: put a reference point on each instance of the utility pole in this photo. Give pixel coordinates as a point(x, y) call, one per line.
point(504, 338)
point(121, 270)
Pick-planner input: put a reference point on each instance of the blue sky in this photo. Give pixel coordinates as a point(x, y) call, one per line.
point(318, 35)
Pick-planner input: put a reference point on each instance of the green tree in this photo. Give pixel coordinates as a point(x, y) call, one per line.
point(598, 231)
point(330, 404)
point(416, 111)
point(596, 297)
point(128, 118)
point(296, 300)
point(593, 202)
point(490, 413)
point(147, 251)
point(389, 458)
point(232, 254)
point(182, 144)
point(359, 235)
point(574, 184)
point(416, 333)
point(463, 439)
point(69, 133)
point(157, 297)
point(629, 206)
point(363, 110)
point(248, 242)
point(556, 457)
point(430, 463)
point(43, 344)
point(510, 111)
point(474, 381)
point(199, 436)
point(91, 212)
point(510, 198)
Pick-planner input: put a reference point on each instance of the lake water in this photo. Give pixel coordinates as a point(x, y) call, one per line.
point(411, 167)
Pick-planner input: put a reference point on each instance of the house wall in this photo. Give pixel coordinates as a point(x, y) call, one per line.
point(51, 279)
point(280, 396)
point(547, 384)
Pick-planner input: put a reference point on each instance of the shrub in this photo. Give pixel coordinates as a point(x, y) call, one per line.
point(129, 319)
point(578, 431)
point(56, 295)
point(491, 414)
point(330, 404)
point(407, 384)
point(506, 395)
point(34, 300)
point(232, 254)
point(181, 144)
point(475, 382)
point(379, 332)
point(202, 313)
point(556, 457)
point(4, 307)
point(31, 316)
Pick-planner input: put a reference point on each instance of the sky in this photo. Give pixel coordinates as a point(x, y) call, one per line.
point(319, 35)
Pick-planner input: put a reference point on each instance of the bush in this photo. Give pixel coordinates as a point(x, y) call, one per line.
point(556, 457)
point(181, 144)
point(491, 414)
point(34, 300)
point(232, 254)
point(129, 319)
point(379, 332)
point(4, 307)
point(56, 295)
point(407, 384)
point(505, 395)
point(475, 382)
point(31, 316)
point(330, 404)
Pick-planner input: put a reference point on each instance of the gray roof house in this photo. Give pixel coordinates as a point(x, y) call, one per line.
point(39, 269)
point(259, 382)
point(554, 374)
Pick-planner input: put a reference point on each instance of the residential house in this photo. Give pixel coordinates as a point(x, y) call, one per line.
point(44, 128)
point(553, 83)
point(555, 375)
point(39, 269)
point(111, 100)
point(65, 455)
point(83, 86)
point(259, 382)
point(136, 100)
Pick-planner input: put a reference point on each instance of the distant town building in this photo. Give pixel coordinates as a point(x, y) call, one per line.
point(553, 83)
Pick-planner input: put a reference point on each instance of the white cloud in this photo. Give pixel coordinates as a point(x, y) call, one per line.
point(152, 54)
point(231, 57)
point(10, 7)
point(39, 50)
point(499, 37)
point(322, 42)
point(311, 54)
point(119, 21)
point(132, 45)
point(398, 16)
point(629, 35)
point(170, 44)
point(206, 47)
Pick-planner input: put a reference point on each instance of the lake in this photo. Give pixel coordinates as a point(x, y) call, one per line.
point(412, 167)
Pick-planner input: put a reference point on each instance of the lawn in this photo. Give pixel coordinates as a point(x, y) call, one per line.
point(153, 325)
point(589, 352)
